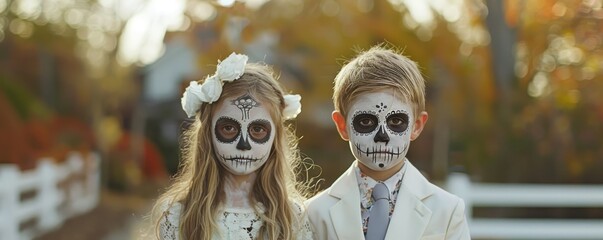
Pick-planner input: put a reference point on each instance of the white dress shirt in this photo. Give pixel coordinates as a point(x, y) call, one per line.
point(366, 184)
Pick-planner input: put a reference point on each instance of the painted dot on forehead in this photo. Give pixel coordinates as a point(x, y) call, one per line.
point(381, 107)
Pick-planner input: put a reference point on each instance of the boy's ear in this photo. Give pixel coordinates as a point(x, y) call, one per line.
point(339, 120)
point(419, 125)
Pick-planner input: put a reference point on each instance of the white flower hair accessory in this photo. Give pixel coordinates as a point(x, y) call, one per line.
point(228, 70)
point(292, 106)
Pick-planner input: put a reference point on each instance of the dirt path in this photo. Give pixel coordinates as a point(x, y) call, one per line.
point(115, 218)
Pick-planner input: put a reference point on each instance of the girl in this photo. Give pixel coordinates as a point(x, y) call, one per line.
point(237, 178)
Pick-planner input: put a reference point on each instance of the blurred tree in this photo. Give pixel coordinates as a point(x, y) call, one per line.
point(318, 36)
point(557, 112)
point(512, 85)
point(63, 57)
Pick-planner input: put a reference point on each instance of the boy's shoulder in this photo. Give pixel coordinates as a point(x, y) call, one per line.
point(330, 196)
point(415, 180)
point(321, 201)
point(440, 196)
point(438, 200)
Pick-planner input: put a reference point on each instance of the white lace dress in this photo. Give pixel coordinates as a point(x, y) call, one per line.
point(233, 224)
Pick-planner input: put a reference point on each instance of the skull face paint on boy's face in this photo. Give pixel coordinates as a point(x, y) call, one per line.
point(242, 134)
point(379, 126)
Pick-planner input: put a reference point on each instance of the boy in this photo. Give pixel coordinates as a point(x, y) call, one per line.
point(379, 100)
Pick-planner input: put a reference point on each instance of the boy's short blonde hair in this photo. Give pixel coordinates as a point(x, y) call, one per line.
point(379, 68)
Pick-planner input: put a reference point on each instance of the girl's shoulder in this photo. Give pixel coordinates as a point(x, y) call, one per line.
point(170, 220)
point(297, 206)
point(172, 211)
point(303, 227)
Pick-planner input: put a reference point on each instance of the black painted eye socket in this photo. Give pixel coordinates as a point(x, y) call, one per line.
point(227, 129)
point(365, 123)
point(259, 130)
point(397, 122)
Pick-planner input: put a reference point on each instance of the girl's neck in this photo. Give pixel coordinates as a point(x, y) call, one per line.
point(237, 189)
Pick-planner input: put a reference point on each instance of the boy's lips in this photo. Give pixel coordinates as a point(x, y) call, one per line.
point(378, 150)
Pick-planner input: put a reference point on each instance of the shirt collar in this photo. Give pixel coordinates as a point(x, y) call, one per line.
point(366, 184)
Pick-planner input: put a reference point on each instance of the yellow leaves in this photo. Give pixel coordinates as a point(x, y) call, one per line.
point(568, 99)
point(109, 132)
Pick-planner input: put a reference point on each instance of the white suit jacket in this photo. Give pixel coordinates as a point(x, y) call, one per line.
point(422, 211)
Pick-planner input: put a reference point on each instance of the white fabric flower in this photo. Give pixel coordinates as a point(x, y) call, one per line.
point(191, 99)
point(211, 89)
point(232, 67)
point(292, 106)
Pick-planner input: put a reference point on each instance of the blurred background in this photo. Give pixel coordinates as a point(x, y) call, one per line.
point(513, 88)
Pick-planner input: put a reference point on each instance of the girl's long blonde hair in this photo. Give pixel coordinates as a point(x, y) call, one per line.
point(199, 183)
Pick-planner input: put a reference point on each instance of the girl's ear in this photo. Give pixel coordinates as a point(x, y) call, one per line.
point(419, 125)
point(339, 120)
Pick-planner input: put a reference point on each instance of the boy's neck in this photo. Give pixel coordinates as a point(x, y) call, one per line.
point(237, 189)
point(380, 175)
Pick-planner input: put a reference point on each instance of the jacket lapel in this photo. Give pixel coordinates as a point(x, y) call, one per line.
point(345, 214)
point(410, 216)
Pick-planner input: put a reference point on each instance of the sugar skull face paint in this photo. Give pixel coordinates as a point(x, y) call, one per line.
point(243, 134)
point(379, 126)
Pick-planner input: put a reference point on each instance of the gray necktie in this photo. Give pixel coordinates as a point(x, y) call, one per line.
point(379, 216)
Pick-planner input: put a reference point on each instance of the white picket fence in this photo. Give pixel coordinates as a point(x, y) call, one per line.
point(56, 193)
point(528, 195)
